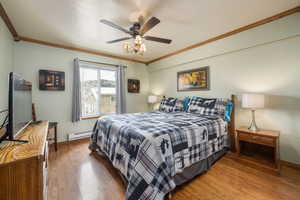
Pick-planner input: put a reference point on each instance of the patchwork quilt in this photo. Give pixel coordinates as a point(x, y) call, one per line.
point(151, 148)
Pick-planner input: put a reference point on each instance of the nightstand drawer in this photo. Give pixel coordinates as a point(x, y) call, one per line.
point(245, 137)
point(264, 140)
point(257, 139)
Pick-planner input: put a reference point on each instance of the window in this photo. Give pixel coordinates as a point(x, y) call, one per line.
point(98, 90)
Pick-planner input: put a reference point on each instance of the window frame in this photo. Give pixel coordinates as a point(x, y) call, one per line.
point(98, 68)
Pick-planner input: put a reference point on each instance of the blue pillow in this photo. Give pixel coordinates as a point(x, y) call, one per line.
point(186, 102)
point(228, 111)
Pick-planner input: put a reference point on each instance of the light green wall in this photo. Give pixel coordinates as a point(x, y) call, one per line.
point(264, 60)
point(56, 106)
point(6, 62)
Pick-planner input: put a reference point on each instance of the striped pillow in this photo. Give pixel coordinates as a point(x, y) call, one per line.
point(204, 106)
point(167, 104)
point(179, 106)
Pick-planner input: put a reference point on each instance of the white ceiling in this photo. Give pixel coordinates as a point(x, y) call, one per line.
point(186, 22)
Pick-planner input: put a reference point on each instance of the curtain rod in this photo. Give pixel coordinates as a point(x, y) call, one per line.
point(100, 63)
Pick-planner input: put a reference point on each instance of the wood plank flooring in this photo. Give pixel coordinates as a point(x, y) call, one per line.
point(74, 174)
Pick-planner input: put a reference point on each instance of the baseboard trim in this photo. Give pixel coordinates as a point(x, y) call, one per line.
point(71, 142)
point(289, 164)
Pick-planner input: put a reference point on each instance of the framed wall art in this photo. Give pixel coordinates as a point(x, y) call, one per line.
point(51, 80)
point(133, 86)
point(195, 79)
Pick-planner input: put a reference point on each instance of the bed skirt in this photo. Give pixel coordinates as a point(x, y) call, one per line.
point(198, 168)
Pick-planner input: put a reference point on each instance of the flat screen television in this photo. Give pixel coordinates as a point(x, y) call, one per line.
point(19, 106)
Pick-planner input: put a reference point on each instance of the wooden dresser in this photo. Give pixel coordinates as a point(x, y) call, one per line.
point(23, 167)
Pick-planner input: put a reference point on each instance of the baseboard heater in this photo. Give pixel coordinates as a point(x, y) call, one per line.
point(80, 135)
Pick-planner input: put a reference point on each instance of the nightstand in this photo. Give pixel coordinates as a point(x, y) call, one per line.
point(259, 149)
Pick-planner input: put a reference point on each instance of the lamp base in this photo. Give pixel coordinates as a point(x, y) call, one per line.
point(253, 126)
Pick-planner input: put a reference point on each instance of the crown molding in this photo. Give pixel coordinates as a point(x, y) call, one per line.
point(8, 23)
point(228, 34)
point(72, 48)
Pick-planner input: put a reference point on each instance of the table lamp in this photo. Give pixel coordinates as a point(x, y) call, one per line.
point(152, 99)
point(253, 102)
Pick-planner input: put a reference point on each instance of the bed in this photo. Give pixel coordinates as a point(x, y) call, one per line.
point(156, 151)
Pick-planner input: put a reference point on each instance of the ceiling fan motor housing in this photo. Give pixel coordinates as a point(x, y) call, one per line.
point(135, 29)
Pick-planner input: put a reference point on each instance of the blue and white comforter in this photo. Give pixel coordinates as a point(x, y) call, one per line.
point(151, 148)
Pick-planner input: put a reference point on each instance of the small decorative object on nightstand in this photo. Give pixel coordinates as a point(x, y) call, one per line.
point(253, 102)
point(259, 149)
point(152, 99)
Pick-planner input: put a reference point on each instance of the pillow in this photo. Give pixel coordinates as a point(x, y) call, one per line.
point(205, 106)
point(179, 106)
point(186, 102)
point(198, 103)
point(228, 111)
point(221, 105)
point(167, 104)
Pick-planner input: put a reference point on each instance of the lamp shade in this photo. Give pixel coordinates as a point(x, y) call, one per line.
point(152, 99)
point(253, 101)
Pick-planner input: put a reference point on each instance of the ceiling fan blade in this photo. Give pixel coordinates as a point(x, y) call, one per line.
point(149, 25)
point(118, 40)
point(157, 39)
point(141, 19)
point(111, 24)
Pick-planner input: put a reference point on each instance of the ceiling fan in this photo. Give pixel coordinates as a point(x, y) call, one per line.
point(137, 31)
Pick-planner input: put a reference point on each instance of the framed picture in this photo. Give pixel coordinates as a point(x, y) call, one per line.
point(195, 79)
point(51, 80)
point(133, 86)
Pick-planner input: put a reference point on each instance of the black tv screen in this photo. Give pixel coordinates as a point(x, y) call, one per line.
point(20, 105)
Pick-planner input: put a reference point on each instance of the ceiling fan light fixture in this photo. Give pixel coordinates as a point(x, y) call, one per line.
point(138, 40)
point(142, 49)
point(137, 47)
point(127, 47)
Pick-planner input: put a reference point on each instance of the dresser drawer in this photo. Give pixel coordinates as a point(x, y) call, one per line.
point(46, 154)
point(257, 139)
point(45, 182)
point(45, 172)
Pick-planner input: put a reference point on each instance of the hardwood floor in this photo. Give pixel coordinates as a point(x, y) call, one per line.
point(74, 174)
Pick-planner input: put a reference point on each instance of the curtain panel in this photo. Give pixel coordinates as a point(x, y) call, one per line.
point(76, 104)
point(121, 89)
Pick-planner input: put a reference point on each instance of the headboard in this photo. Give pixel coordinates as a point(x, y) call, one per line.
point(231, 125)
